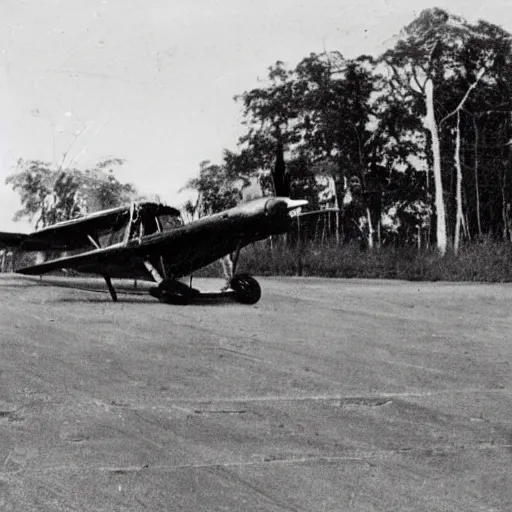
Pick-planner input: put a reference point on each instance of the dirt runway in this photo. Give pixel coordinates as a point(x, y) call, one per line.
point(328, 395)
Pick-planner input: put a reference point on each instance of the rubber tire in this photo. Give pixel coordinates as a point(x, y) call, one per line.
point(247, 289)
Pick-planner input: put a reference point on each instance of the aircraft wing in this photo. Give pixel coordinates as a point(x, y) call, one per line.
point(93, 261)
point(30, 242)
point(11, 240)
point(184, 248)
point(71, 234)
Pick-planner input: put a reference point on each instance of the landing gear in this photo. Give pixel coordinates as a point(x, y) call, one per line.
point(242, 288)
point(111, 289)
point(247, 290)
point(174, 292)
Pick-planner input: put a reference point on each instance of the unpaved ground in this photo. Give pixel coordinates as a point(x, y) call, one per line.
point(328, 395)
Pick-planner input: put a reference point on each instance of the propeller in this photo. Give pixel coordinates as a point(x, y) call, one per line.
point(293, 204)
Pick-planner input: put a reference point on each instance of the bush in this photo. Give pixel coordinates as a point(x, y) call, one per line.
point(486, 261)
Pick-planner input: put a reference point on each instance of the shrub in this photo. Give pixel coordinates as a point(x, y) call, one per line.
point(487, 261)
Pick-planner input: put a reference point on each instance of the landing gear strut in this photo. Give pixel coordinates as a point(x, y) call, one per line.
point(111, 289)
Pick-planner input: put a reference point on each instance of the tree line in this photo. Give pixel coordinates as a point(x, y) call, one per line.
point(49, 195)
point(411, 145)
point(415, 142)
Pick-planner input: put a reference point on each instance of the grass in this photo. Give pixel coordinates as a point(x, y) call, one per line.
point(485, 261)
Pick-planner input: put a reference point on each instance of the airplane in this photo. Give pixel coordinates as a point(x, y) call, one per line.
point(150, 241)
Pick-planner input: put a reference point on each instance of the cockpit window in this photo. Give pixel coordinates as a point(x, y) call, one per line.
point(170, 222)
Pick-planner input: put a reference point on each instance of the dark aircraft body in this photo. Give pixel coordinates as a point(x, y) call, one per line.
point(150, 241)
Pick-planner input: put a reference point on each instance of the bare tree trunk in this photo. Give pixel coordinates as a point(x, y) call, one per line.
point(506, 228)
point(370, 229)
point(334, 190)
point(460, 215)
point(337, 227)
point(477, 186)
point(299, 248)
point(431, 125)
point(465, 227)
point(507, 153)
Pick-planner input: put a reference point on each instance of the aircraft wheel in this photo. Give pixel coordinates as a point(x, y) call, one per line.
point(247, 289)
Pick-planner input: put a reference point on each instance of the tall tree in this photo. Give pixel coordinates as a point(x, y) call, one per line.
point(312, 119)
point(449, 65)
point(415, 65)
point(416, 127)
point(51, 195)
point(217, 189)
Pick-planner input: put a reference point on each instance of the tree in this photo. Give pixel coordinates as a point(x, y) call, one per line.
point(459, 216)
point(34, 181)
point(217, 189)
point(486, 126)
point(415, 62)
point(102, 189)
point(425, 130)
point(50, 195)
point(440, 60)
point(312, 121)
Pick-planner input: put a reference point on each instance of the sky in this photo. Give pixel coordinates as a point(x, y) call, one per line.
point(153, 82)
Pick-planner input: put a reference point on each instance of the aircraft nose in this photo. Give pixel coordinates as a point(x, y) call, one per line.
point(283, 205)
point(275, 206)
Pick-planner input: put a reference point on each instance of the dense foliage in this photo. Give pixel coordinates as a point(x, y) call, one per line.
point(50, 195)
point(418, 137)
point(410, 148)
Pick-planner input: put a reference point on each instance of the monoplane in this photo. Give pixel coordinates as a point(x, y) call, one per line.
point(150, 241)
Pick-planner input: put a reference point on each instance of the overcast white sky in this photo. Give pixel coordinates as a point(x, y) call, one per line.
point(153, 81)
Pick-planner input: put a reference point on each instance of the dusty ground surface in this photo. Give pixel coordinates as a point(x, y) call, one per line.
point(328, 395)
